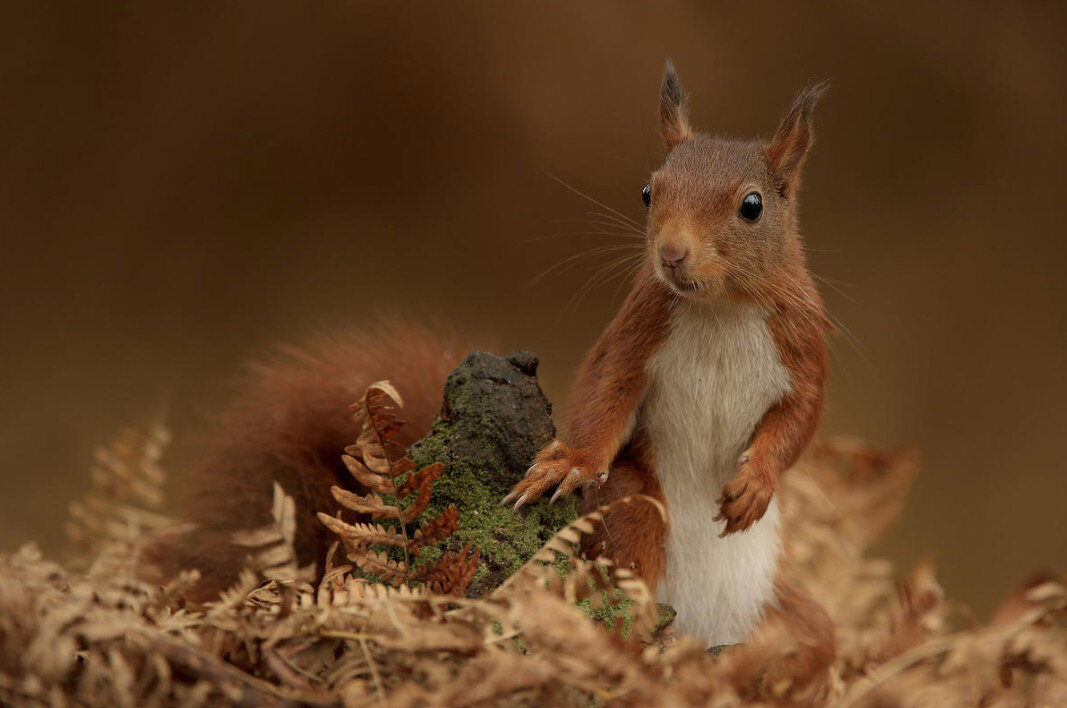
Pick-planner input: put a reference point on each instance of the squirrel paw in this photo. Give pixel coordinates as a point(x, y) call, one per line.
point(559, 466)
point(745, 498)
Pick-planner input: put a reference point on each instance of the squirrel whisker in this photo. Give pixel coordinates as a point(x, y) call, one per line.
point(573, 260)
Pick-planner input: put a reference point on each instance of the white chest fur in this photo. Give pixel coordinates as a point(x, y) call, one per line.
point(710, 383)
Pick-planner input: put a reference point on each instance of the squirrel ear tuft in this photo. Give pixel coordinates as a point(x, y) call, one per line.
point(789, 147)
point(673, 109)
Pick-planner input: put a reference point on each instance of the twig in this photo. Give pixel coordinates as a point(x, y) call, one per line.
point(354, 636)
point(204, 665)
point(373, 670)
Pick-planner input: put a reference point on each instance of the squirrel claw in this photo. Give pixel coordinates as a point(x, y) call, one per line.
point(744, 500)
point(568, 484)
point(557, 466)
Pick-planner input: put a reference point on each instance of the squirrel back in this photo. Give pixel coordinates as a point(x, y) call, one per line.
point(290, 423)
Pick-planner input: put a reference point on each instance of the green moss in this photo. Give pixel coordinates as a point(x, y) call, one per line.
point(665, 618)
point(504, 538)
point(615, 611)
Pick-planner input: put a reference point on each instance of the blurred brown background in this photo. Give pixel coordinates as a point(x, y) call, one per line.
point(183, 184)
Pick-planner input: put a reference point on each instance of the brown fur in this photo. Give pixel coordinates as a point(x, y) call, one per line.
point(631, 474)
point(610, 384)
point(698, 248)
point(673, 109)
point(290, 424)
point(797, 327)
point(810, 627)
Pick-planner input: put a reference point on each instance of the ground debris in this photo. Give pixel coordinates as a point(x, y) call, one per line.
point(82, 638)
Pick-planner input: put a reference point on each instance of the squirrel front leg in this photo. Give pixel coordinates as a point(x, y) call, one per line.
point(610, 385)
point(786, 428)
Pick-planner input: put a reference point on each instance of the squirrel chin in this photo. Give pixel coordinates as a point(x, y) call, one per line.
point(697, 291)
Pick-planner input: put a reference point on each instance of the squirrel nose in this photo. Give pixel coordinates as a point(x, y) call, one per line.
point(672, 254)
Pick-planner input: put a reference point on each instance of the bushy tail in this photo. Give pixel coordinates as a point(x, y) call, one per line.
point(290, 424)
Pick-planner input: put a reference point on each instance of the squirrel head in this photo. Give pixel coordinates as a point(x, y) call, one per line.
point(722, 213)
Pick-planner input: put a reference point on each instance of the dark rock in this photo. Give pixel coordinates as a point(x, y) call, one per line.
point(501, 417)
point(526, 361)
point(495, 418)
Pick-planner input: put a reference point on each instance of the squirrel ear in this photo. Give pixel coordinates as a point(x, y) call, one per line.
point(673, 109)
point(786, 152)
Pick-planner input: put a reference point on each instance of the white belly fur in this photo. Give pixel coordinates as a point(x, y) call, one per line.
point(710, 383)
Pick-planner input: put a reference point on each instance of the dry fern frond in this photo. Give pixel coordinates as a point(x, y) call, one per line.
point(420, 481)
point(558, 568)
point(371, 480)
point(398, 495)
point(370, 504)
point(358, 534)
point(380, 565)
point(436, 529)
point(451, 574)
point(275, 557)
point(373, 413)
point(126, 491)
point(107, 639)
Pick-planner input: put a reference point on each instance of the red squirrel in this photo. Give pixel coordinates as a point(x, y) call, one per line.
point(708, 383)
point(705, 387)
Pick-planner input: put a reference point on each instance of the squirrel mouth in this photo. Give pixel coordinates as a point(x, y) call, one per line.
point(683, 285)
point(678, 282)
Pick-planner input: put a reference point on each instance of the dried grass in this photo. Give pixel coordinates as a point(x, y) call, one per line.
point(100, 637)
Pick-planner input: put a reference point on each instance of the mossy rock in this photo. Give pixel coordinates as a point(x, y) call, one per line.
point(494, 420)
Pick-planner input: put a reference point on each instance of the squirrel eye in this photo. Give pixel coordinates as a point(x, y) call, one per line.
point(751, 207)
point(646, 195)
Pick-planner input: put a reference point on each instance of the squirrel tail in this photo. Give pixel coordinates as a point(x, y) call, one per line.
point(290, 424)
